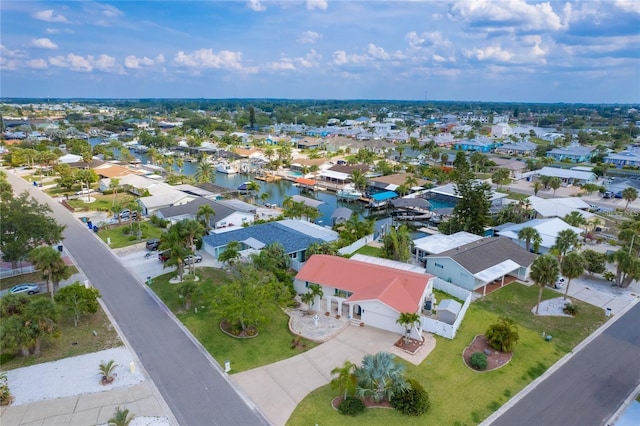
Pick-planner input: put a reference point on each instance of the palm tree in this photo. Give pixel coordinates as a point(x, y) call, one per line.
point(554, 183)
point(630, 194)
point(572, 267)
point(565, 240)
point(187, 291)
point(205, 212)
point(205, 173)
point(114, 184)
point(411, 181)
point(120, 418)
point(544, 272)
point(50, 263)
point(191, 230)
point(180, 164)
point(253, 187)
point(264, 197)
point(380, 377)
point(152, 153)
point(41, 317)
point(106, 370)
point(231, 253)
point(345, 380)
point(536, 187)
point(358, 179)
point(408, 320)
point(575, 218)
point(173, 243)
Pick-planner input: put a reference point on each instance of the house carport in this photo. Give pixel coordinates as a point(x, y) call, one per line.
point(495, 273)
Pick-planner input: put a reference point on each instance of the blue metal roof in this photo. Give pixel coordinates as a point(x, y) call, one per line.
point(381, 196)
point(267, 233)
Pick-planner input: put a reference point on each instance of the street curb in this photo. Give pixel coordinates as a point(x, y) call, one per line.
point(524, 392)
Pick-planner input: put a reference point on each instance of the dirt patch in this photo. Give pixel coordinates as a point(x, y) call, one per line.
point(410, 345)
point(495, 359)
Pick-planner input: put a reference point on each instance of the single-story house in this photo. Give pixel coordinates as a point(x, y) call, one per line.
point(573, 153)
point(294, 235)
point(547, 228)
point(525, 149)
point(481, 262)
point(373, 294)
point(629, 157)
point(163, 195)
point(559, 207)
point(477, 144)
point(439, 243)
point(225, 215)
point(392, 182)
point(568, 177)
point(515, 167)
point(447, 196)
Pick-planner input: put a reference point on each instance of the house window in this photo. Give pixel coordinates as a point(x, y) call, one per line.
point(437, 265)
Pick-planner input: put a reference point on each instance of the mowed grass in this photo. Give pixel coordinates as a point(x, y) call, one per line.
point(119, 239)
point(72, 341)
point(369, 251)
point(272, 344)
point(459, 395)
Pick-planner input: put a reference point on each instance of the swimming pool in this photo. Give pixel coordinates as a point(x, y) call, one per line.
point(295, 173)
point(439, 204)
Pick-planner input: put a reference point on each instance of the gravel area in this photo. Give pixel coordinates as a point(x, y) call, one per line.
point(552, 307)
point(71, 376)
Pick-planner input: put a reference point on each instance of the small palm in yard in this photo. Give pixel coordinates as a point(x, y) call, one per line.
point(380, 377)
point(106, 369)
point(187, 291)
point(408, 320)
point(503, 335)
point(544, 272)
point(345, 380)
point(121, 418)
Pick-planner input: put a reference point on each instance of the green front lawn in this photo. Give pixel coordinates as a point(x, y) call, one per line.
point(369, 251)
point(120, 239)
point(272, 344)
point(460, 396)
point(102, 202)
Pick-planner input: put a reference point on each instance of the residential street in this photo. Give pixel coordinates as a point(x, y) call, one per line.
point(590, 387)
point(192, 384)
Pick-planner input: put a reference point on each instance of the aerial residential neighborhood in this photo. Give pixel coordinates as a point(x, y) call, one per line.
point(319, 213)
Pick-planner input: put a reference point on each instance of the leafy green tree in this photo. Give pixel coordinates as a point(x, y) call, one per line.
point(503, 335)
point(471, 213)
point(380, 377)
point(187, 291)
point(627, 267)
point(231, 253)
point(77, 300)
point(572, 267)
point(86, 177)
point(500, 177)
point(397, 244)
point(554, 183)
point(345, 380)
point(25, 225)
point(272, 258)
point(544, 272)
point(66, 176)
point(529, 235)
point(408, 320)
point(51, 265)
point(595, 262)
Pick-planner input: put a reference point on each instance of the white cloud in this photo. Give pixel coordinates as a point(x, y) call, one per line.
point(37, 63)
point(160, 59)
point(108, 63)
point(58, 31)
point(136, 63)
point(517, 15)
point(43, 43)
point(628, 5)
point(207, 58)
point(317, 4)
point(110, 11)
point(434, 39)
point(256, 6)
point(489, 53)
point(80, 63)
point(48, 16)
point(376, 52)
point(340, 57)
point(7, 53)
point(309, 37)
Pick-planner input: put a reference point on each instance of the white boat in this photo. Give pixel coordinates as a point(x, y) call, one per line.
point(349, 192)
point(226, 168)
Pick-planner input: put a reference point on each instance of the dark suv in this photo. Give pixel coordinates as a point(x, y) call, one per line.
point(153, 244)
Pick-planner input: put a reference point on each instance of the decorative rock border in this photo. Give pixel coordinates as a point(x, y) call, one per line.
point(234, 336)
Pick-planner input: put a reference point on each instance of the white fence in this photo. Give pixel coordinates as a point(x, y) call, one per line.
point(442, 328)
point(357, 245)
point(5, 273)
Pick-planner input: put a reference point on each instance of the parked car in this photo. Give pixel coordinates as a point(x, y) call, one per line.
point(608, 194)
point(559, 283)
point(153, 244)
point(29, 288)
point(85, 191)
point(192, 258)
point(164, 255)
point(125, 214)
point(618, 194)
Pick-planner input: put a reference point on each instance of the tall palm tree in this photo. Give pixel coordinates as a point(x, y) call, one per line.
point(114, 184)
point(41, 317)
point(173, 242)
point(630, 194)
point(380, 377)
point(544, 272)
point(180, 164)
point(572, 267)
point(566, 240)
point(529, 234)
point(345, 380)
point(152, 153)
point(205, 173)
point(575, 218)
point(50, 263)
point(358, 179)
point(408, 320)
point(205, 212)
point(555, 183)
point(187, 291)
point(191, 230)
point(253, 187)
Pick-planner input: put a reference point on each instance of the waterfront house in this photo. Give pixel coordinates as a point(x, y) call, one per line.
point(629, 157)
point(568, 177)
point(525, 149)
point(476, 144)
point(225, 214)
point(547, 228)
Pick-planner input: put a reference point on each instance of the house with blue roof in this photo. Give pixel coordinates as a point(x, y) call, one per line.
point(476, 144)
point(630, 157)
point(295, 236)
point(573, 153)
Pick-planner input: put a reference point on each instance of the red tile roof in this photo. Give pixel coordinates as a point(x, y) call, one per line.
point(304, 181)
point(399, 289)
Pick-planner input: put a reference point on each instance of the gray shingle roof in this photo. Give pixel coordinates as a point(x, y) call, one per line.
point(191, 208)
point(483, 254)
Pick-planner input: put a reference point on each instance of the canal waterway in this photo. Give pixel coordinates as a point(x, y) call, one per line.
point(277, 191)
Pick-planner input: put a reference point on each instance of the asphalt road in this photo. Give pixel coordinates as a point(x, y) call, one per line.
point(195, 389)
point(590, 387)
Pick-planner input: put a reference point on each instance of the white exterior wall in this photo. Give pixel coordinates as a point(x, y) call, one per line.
point(447, 269)
point(235, 219)
point(379, 315)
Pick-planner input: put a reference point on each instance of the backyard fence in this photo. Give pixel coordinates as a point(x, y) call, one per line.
point(357, 245)
point(442, 328)
point(6, 273)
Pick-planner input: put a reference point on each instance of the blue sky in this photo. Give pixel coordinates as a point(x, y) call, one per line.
point(476, 50)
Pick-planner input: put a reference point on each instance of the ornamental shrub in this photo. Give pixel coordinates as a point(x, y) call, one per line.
point(503, 335)
point(570, 309)
point(351, 406)
point(412, 402)
point(479, 361)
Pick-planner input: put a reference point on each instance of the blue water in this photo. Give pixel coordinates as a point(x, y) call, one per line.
point(437, 204)
point(277, 191)
point(295, 174)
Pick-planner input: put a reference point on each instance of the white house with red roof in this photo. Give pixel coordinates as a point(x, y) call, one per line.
point(369, 293)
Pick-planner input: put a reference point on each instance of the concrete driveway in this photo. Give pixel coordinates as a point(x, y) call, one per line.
point(278, 388)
